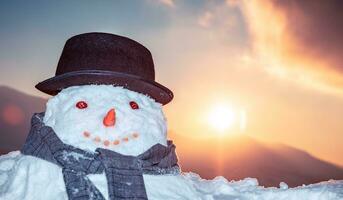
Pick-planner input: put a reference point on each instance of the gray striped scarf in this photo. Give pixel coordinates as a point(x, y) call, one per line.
point(124, 173)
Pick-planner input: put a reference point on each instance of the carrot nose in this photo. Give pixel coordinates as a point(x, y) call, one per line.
point(110, 118)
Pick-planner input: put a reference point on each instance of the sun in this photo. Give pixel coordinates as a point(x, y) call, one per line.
point(221, 117)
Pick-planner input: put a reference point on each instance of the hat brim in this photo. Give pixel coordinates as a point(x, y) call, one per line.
point(54, 85)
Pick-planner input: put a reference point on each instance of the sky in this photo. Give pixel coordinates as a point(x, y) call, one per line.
point(276, 65)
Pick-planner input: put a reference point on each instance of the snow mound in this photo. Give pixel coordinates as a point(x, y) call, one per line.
point(25, 177)
point(248, 189)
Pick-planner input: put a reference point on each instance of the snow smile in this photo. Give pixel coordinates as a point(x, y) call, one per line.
point(106, 142)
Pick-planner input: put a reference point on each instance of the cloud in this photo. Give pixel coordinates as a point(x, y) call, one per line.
point(169, 3)
point(221, 17)
point(166, 3)
point(298, 40)
point(317, 26)
point(205, 19)
point(232, 3)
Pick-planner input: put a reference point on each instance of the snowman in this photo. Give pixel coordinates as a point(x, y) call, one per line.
point(103, 134)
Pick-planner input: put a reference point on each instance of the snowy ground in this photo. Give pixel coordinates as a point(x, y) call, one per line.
point(248, 189)
point(20, 177)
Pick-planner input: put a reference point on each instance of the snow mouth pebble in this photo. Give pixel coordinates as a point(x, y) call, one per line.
point(106, 143)
point(116, 142)
point(7, 165)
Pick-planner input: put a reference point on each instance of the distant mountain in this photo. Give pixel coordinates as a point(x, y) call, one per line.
point(16, 109)
point(242, 156)
point(233, 157)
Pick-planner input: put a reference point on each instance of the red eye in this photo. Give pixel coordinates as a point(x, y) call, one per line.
point(134, 105)
point(81, 105)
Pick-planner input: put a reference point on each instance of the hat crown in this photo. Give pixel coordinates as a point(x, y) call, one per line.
point(106, 52)
point(106, 59)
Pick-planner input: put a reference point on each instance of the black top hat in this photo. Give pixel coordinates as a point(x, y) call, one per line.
point(103, 58)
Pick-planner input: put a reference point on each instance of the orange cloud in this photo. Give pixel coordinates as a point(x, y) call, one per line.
point(281, 51)
point(205, 19)
point(169, 3)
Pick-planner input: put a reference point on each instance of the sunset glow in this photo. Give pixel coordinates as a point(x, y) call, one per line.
point(12, 114)
point(221, 117)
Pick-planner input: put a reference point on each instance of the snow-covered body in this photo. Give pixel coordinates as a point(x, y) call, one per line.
point(27, 177)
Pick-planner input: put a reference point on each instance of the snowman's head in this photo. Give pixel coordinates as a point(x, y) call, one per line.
point(105, 116)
